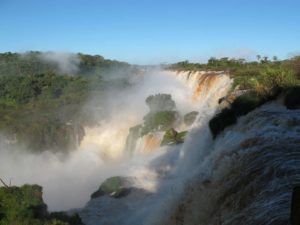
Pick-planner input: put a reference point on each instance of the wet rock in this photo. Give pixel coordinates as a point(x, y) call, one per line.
point(116, 187)
point(190, 118)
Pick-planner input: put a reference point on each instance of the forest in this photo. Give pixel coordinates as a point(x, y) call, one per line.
point(41, 100)
point(42, 107)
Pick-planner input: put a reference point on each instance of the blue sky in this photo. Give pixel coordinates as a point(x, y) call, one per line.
point(152, 31)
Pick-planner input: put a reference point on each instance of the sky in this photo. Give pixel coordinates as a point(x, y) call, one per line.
point(153, 31)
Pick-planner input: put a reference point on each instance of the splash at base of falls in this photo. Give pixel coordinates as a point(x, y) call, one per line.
point(69, 182)
point(246, 176)
point(166, 172)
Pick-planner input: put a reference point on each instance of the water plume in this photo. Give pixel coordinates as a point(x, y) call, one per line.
point(68, 182)
point(168, 170)
point(67, 63)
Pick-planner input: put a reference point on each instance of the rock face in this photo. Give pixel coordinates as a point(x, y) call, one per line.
point(115, 199)
point(226, 101)
point(295, 208)
point(292, 98)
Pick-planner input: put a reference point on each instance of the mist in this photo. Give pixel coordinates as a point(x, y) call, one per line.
point(66, 62)
point(68, 181)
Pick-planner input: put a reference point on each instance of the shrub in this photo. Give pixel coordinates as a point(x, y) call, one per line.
point(24, 205)
point(172, 137)
point(159, 121)
point(273, 80)
point(294, 64)
point(65, 218)
point(160, 102)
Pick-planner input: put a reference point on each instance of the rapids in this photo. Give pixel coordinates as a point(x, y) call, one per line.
point(248, 174)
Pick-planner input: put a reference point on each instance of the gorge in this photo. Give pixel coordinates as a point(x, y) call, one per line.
point(149, 155)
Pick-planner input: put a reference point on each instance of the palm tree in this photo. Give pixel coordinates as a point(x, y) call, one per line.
point(265, 59)
point(275, 58)
point(258, 57)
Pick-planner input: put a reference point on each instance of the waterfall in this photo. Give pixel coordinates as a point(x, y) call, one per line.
point(245, 176)
point(203, 91)
point(161, 179)
point(248, 174)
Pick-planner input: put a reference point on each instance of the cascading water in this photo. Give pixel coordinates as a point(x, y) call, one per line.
point(248, 174)
point(244, 176)
point(69, 181)
point(161, 179)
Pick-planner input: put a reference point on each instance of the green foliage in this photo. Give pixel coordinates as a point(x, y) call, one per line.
point(294, 65)
point(63, 218)
point(273, 80)
point(24, 202)
point(212, 64)
point(24, 205)
point(159, 121)
point(264, 76)
point(172, 137)
point(160, 102)
point(190, 117)
point(42, 108)
point(265, 79)
point(30, 63)
point(97, 65)
point(292, 98)
point(161, 116)
point(37, 108)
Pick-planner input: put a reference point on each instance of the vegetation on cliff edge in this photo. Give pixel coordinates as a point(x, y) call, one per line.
point(25, 206)
point(42, 106)
point(262, 81)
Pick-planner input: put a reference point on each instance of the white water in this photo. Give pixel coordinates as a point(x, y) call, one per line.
point(163, 177)
point(248, 174)
point(245, 176)
point(69, 182)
